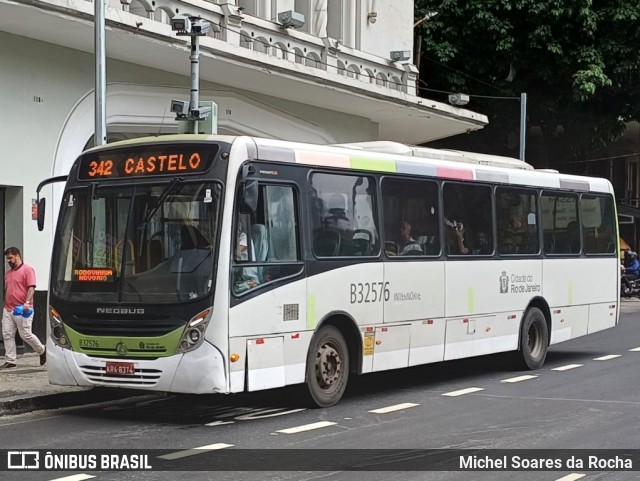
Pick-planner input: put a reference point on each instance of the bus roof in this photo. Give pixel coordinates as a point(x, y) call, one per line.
point(439, 154)
point(393, 157)
point(411, 160)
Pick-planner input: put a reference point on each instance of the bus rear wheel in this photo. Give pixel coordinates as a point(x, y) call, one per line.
point(327, 367)
point(534, 339)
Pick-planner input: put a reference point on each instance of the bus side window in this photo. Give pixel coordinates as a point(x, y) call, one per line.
point(267, 246)
point(411, 225)
point(343, 216)
point(598, 225)
point(560, 223)
point(468, 212)
point(517, 221)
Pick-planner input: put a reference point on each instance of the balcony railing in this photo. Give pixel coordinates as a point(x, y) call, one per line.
point(230, 25)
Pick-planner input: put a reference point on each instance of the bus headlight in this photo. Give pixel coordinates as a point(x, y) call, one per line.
point(193, 335)
point(58, 334)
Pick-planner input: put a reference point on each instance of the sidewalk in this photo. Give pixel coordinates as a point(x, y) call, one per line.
point(26, 388)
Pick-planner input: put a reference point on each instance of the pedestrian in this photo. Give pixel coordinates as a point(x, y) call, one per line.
point(17, 315)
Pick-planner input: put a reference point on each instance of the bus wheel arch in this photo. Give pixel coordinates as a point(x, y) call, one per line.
point(333, 354)
point(534, 334)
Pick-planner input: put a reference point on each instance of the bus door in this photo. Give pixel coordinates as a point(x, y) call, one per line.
point(268, 289)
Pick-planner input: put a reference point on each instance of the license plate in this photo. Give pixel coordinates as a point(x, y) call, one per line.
point(120, 369)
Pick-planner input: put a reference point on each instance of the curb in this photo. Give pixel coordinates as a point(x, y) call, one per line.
point(64, 399)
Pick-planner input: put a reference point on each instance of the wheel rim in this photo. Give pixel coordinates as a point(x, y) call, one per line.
point(328, 366)
point(534, 339)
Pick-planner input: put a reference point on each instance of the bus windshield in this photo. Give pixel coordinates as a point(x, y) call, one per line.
point(147, 243)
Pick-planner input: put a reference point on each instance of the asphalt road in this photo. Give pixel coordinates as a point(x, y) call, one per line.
point(592, 402)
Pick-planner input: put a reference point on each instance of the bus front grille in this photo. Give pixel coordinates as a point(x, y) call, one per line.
point(141, 377)
point(143, 327)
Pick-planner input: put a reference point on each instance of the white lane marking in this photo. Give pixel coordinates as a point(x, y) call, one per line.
point(397, 407)
point(567, 367)
point(219, 423)
point(267, 413)
point(526, 377)
point(306, 427)
point(46, 418)
point(606, 358)
point(75, 477)
point(635, 349)
point(194, 451)
point(571, 477)
point(462, 392)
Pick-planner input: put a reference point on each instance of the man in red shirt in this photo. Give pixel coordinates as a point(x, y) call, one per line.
point(19, 288)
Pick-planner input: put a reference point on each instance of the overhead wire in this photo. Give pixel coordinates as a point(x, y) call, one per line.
point(372, 78)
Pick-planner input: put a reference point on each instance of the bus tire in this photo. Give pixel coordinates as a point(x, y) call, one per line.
point(327, 367)
point(534, 339)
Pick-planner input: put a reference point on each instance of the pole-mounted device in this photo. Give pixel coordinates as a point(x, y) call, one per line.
point(193, 111)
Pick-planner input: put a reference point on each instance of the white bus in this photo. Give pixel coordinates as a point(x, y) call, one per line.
point(214, 264)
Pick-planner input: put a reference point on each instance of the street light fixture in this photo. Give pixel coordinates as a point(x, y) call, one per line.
point(417, 48)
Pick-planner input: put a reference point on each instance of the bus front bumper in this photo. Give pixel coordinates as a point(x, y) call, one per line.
point(201, 371)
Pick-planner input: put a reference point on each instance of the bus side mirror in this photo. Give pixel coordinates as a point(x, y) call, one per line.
point(40, 214)
point(249, 197)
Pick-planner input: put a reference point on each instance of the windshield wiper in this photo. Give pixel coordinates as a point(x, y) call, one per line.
point(144, 225)
point(161, 200)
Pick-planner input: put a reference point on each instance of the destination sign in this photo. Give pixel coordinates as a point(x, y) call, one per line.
point(93, 274)
point(152, 160)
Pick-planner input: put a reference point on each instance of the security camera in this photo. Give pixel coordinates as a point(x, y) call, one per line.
point(458, 99)
point(181, 23)
point(291, 19)
point(201, 112)
point(399, 55)
point(201, 27)
point(180, 107)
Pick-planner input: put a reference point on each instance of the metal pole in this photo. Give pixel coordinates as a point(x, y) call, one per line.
point(523, 123)
point(100, 135)
point(194, 100)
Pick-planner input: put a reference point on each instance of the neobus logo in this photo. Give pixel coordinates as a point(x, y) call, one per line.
point(119, 310)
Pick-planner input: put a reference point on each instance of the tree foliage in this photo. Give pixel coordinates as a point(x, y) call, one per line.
point(577, 60)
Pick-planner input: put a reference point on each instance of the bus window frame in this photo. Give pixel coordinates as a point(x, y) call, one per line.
point(443, 226)
point(376, 211)
point(558, 193)
point(600, 195)
point(234, 264)
point(381, 215)
point(538, 195)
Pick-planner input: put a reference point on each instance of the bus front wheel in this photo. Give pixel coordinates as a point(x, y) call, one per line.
point(327, 367)
point(534, 339)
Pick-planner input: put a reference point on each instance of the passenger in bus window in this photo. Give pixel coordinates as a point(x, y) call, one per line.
point(456, 243)
point(407, 245)
point(242, 252)
point(512, 237)
point(482, 244)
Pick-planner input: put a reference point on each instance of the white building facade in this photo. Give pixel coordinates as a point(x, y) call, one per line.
point(330, 81)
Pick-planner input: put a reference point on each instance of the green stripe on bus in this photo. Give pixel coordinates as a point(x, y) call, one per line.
point(378, 165)
point(153, 347)
point(570, 292)
point(311, 312)
point(471, 300)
